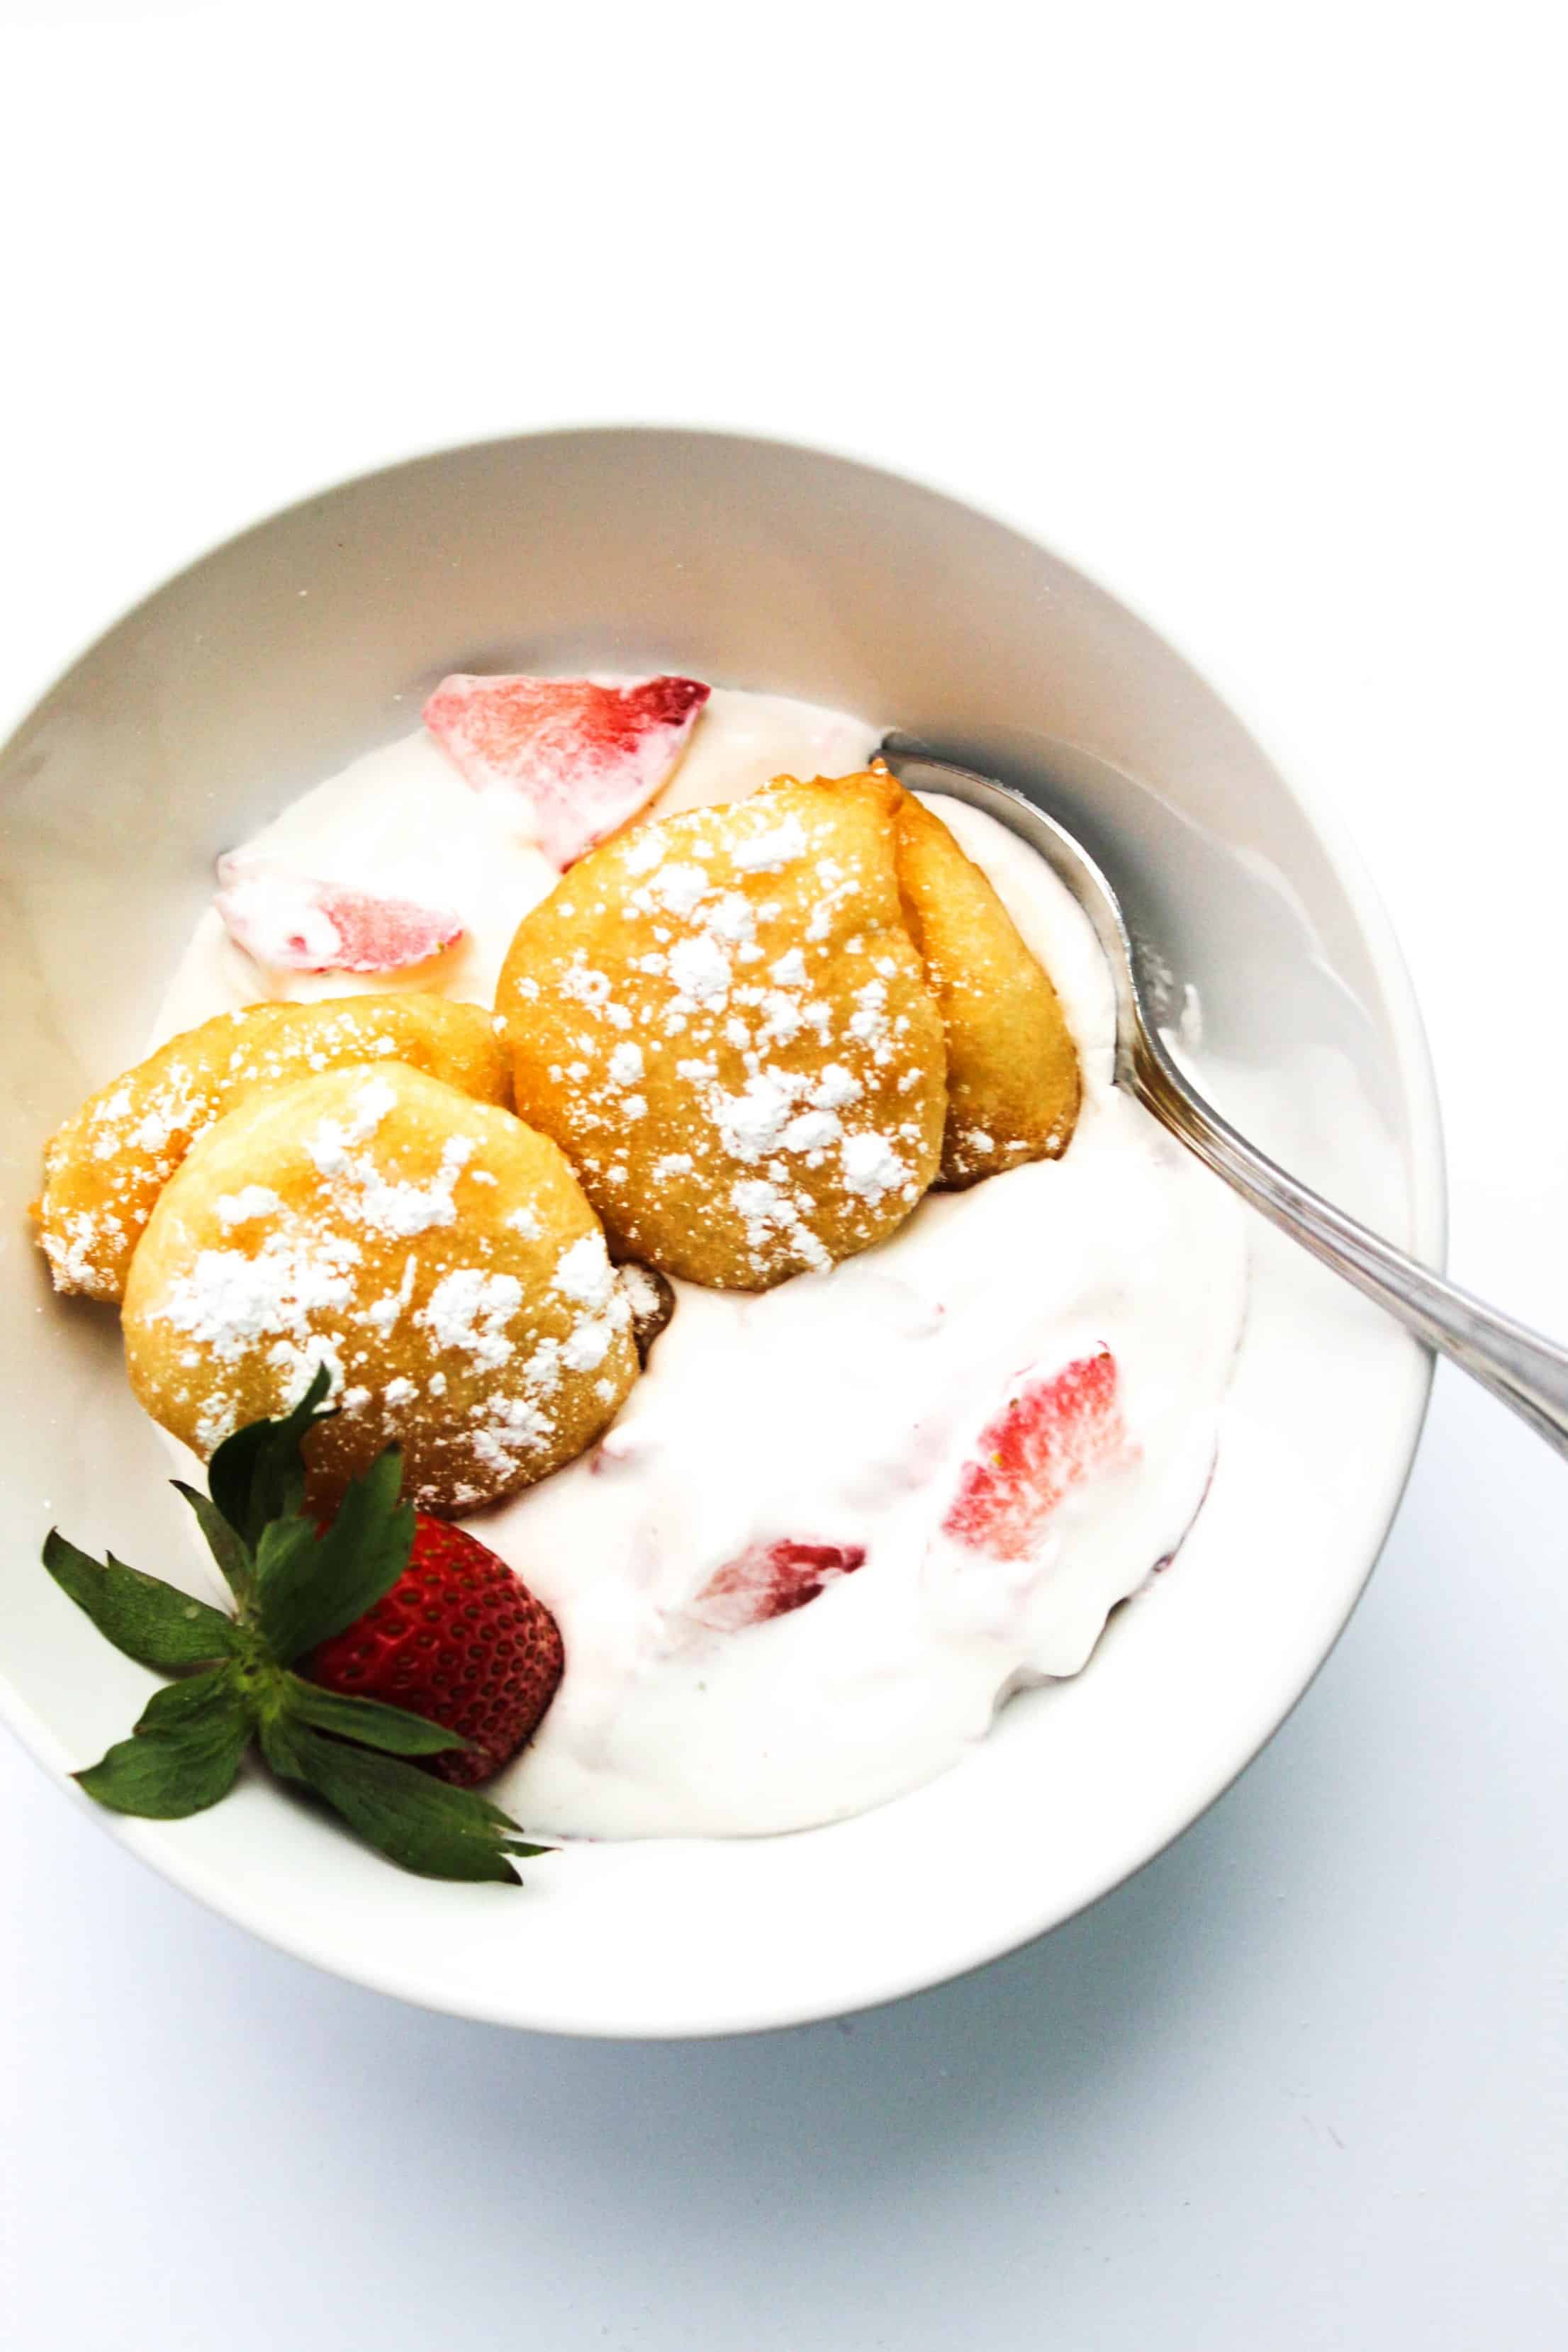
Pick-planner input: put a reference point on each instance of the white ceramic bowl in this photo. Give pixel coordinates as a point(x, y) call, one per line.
point(314, 636)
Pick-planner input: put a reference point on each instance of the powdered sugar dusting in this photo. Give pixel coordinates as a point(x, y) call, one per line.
point(470, 1311)
point(771, 851)
point(385, 1248)
point(242, 1208)
point(237, 1306)
point(759, 1055)
point(584, 1273)
point(392, 1206)
point(871, 1166)
point(104, 1169)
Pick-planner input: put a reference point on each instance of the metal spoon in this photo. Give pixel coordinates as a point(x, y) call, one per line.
point(1526, 1371)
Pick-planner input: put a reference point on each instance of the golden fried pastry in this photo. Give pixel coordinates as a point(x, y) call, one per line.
point(104, 1169)
point(435, 1253)
point(722, 1021)
point(1013, 1083)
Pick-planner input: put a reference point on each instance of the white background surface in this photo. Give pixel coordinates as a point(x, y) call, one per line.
point(1254, 311)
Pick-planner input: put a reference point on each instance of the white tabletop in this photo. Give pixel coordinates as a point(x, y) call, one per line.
point(1254, 311)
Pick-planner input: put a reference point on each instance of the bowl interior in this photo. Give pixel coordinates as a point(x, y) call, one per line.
point(314, 636)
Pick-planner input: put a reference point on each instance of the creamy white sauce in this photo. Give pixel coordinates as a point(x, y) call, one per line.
point(399, 823)
point(838, 1408)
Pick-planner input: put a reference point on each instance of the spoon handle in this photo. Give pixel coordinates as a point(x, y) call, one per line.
point(1526, 1371)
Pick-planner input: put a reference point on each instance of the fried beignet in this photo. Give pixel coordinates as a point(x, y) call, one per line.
point(1013, 1081)
point(723, 1022)
point(105, 1167)
point(435, 1253)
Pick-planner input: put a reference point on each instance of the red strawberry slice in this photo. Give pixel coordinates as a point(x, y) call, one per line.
point(770, 1580)
point(577, 758)
point(291, 923)
point(1049, 1438)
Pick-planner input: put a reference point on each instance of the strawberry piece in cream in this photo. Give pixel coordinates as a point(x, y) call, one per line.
point(770, 1580)
point(290, 922)
point(574, 758)
point(1049, 1438)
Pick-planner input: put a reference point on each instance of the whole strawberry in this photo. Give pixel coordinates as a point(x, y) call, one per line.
point(459, 1640)
point(361, 1656)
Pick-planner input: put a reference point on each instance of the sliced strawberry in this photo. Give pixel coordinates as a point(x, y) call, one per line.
point(1046, 1440)
point(770, 1580)
point(577, 758)
point(291, 923)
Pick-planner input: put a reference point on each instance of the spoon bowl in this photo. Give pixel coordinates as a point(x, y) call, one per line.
point(1526, 1371)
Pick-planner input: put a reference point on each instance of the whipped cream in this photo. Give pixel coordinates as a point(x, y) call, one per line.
point(837, 1414)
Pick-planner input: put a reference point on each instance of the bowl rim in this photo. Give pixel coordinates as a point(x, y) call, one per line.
point(1426, 1189)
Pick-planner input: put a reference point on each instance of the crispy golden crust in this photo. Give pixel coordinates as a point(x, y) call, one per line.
point(104, 1169)
point(722, 1020)
point(1013, 1079)
point(435, 1253)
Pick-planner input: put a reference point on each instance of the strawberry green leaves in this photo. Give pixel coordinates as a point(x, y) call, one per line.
point(310, 1586)
point(139, 1614)
point(185, 1752)
point(258, 1474)
point(230, 1550)
point(420, 1824)
point(301, 1584)
point(296, 1583)
point(368, 1720)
